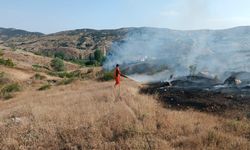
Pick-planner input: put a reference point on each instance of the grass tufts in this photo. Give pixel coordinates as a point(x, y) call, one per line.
point(65, 81)
point(107, 76)
point(9, 89)
point(7, 62)
point(38, 76)
point(44, 87)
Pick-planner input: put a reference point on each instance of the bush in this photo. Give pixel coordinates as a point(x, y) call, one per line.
point(66, 74)
point(3, 79)
point(92, 63)
point(37, 76)
point(7, 62)
point(2, 74)
point(37, 66)
point(57, 64)
point(80, 62)
point(44, 87)
point(60, 55)
point(1, 52)
point(14, 87)
point(66, 81)
point(63, 74)
point(6, 91)
point(99, 56)
point(107, 76)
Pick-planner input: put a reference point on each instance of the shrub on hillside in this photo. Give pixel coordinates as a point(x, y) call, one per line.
point(6, 62)
point(57, 64)
point(99, 56)
point(38, 67)
point(65, 74)
point(91, 63)
point(3, 79)
point(1, 74)
point(1, 52)
point(38, 76)
point(60, 55)
point(66, 81)
point(14, 87)
point(107, 76)
point(6, 91)
point(44, 87)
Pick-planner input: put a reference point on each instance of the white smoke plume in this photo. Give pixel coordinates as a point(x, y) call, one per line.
point(213, 52)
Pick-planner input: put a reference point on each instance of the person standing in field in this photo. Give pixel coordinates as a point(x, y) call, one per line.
point(117, 76)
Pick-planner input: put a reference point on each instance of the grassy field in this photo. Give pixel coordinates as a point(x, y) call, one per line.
point(88, 114)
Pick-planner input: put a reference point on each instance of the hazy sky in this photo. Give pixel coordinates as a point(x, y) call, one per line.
point(55, 15)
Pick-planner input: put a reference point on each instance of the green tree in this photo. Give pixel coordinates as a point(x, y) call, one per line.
point(60, 55)
point(57, 64)
point(99, 57)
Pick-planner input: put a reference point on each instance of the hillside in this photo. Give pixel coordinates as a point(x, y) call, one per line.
point(176, 50)
point(86, 114)
point(75, 44)
point(7, 33)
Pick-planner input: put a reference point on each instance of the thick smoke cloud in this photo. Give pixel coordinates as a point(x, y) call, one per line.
point(214, 53)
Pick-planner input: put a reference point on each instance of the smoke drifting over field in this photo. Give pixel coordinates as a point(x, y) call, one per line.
point(212, 52)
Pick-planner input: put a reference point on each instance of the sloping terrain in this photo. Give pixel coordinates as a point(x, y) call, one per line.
point(7, 33)
point(25, 60)
point(75, 44)
point(89, 114)
point(170, 52)
point(52, 112)
point(17, 74)
point(229, 102)
point(26, 70)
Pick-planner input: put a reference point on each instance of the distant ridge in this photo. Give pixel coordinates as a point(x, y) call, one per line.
point(7, 33)
point(81, 43)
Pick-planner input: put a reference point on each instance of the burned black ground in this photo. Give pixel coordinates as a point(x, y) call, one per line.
point(226, 100)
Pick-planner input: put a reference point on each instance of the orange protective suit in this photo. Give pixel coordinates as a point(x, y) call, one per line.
point(117, 75)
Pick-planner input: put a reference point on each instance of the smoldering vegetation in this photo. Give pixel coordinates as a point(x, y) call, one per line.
point(148, 51)
point(207, 70)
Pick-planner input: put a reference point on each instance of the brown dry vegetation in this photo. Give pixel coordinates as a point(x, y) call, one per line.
point(86, 115)
point(89, 115)
point(25, 60)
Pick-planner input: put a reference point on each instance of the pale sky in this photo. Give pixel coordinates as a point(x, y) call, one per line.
point(50, 16)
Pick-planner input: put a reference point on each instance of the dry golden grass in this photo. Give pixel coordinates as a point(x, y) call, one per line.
point(88, 115)
point(25, 60)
